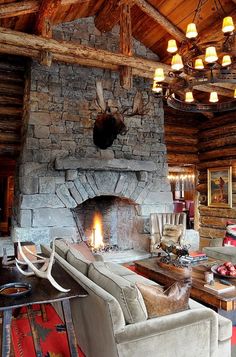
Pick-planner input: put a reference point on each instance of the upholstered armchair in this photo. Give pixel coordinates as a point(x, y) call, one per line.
point(158, 222)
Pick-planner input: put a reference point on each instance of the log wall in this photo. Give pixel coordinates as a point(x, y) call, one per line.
point(12, 82)
point(217, 139)
point(181, 137)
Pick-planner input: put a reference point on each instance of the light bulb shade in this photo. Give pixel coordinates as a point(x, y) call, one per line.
point(211, 55)
point(226, 61)
point(159, 75)
point(235, 93)
point(189, 97)
point(213, 97)
point(198, 64)
point(176, 62)
point(228, 25)
point(191, 31)
point(157, 88)
point(172, 46)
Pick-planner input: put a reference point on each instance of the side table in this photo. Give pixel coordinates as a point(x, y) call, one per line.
point(42, 292)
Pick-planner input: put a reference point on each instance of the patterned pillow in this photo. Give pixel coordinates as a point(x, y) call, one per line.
point(172, 232)
point(230, 234)
point(161, 302)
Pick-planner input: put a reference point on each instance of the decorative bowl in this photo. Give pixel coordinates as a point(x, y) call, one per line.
point(214, 270)
point(16, 289)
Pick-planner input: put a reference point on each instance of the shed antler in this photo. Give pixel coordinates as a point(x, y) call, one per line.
point(44, 272)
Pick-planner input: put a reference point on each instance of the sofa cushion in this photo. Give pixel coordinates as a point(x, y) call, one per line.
point(172, 232)
point(78, 261)
point(161, 301)
point(127, 294)
point(62, 247)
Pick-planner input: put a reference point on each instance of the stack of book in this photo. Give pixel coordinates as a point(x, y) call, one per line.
point(194, 257)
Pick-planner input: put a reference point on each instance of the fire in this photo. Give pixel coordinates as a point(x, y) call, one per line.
point(97, 238)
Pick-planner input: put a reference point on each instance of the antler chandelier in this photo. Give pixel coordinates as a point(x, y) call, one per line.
point(195, 64)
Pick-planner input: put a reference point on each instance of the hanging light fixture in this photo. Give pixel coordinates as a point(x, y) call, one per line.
point(195, 64)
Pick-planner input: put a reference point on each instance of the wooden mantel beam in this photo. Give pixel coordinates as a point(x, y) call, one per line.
point(160, 19)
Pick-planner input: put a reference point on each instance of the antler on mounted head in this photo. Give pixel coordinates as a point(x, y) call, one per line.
point(107, 125)
point(139, 108)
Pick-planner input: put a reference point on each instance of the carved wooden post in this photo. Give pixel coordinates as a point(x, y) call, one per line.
point(125, 44)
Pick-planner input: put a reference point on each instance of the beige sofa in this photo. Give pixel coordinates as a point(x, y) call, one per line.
point(102, 330)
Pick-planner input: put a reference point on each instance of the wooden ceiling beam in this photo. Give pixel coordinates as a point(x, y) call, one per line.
point(160, 19)
point(46, 11)
point(22, 44)
point(12, 40)
point(28, 7)
point(19, 8)
point(125, 45)
point(108, 16)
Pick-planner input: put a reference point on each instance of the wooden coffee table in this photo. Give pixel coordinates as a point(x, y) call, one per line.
point(223, 302)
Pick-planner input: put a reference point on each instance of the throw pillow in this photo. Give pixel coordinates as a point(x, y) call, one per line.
point(172, 232)
point(125, 292)
point(84, 250)
point(161, 301)
point(230, 234)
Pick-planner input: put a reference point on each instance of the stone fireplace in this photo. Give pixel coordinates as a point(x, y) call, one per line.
point(61, 170)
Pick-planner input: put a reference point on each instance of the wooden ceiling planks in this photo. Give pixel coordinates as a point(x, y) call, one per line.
point(84, 8)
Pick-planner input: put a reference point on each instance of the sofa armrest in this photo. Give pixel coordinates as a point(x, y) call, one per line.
point(168, 323)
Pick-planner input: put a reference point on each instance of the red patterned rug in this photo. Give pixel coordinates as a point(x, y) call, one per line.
point(53, 339)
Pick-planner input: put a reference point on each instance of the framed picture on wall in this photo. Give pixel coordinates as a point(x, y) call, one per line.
point(219, 181)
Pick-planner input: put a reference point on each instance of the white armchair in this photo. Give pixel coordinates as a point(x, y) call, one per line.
point(157, 223)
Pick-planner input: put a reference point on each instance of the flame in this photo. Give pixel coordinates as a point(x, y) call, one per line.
point(97, 238)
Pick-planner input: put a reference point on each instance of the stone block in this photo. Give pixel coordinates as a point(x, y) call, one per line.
point(36, 235)
point(47, 185)
point(40, 118)
point(76, 195)
point(25, 218)
point(28, 185)
point(71, 175)
point(155, 197)
point(64, 195)
point(146, 210)
point(64, 232)
point(42, 156)
point(107, 154)
point(142, 176)
point(81, 189)
point(40, 201)
point(106, 181)
point(32, 143)
point(41, 131)
point(53, 217)
point(120, 183)
point(32, 169)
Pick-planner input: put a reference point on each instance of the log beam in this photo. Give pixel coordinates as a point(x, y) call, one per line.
point(46, 11)
point(19, 8)
point(29, 7)
point(31, 45)
point(22, 44)
point(160, 19)
point(108, 16)
point(125, 45)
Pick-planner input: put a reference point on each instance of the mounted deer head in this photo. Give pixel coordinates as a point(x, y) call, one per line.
point(108, 125)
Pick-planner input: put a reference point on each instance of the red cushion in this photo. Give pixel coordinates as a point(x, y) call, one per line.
point(230, 234)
